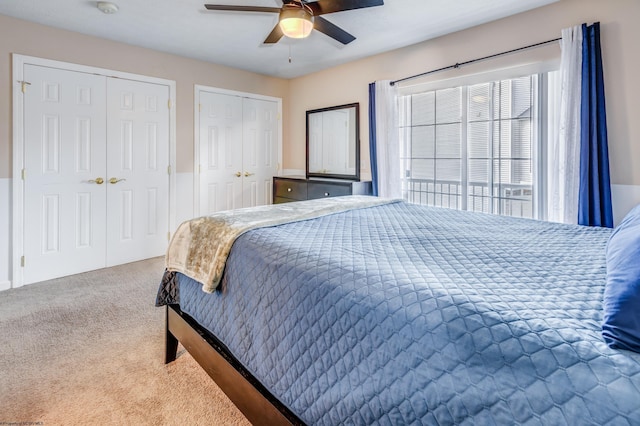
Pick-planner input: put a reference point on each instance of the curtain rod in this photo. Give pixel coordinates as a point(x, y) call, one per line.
point(458, 65)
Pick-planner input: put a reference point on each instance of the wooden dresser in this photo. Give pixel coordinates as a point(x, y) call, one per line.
point(287, 189)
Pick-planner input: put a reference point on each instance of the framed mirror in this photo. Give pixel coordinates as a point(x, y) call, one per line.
point(333, 142)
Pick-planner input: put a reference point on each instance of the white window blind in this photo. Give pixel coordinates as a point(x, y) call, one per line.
point(472, 147)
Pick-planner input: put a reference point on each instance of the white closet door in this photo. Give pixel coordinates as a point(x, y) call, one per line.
point(64, 152)
point(220, 152)
point(137, 170)
point(260, 151)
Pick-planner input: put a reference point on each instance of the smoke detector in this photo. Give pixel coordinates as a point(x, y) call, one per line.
point(107, 7)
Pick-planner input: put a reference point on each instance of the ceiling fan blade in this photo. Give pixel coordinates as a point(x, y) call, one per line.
point(332, 30)
point(242, 8)
point(322, 7)
point(275, 35)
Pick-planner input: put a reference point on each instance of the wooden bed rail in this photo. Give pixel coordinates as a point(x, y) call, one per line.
point(253, 400)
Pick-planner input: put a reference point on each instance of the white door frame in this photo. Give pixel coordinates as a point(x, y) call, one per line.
point(19, 61)
point(196, 133)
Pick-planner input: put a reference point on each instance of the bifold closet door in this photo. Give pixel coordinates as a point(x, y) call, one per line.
point(64, 173)
point(137, 170)
point(238, 151)
point(259, 151)
point(220, 151)
point(96, 178)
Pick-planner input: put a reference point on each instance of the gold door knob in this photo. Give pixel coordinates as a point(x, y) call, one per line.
point(238, 174)
point(113, 180)
point(97, 180)
point(247, 174)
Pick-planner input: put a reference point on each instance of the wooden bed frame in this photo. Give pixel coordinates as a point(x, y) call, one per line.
point(244, 390)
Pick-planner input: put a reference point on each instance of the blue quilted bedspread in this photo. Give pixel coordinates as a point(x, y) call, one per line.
point(403, 314)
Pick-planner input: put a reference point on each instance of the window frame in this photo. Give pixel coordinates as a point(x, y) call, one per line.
point(541, 129)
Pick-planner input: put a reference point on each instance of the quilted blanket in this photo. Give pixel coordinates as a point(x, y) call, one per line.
point(199, 247)
point(403, 314)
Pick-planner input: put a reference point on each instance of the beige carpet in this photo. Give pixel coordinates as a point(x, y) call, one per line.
point(88, 349)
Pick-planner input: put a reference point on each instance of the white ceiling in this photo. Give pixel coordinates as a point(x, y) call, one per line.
point(235, 39)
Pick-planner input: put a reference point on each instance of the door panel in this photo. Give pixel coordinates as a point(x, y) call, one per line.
point(137, 175)
point(238, 151)
point(259, 150)
point(64, 151)
point(220, 152)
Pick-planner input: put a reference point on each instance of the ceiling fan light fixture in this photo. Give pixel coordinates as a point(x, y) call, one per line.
point(296, 21)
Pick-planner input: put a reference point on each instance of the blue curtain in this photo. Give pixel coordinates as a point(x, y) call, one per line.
point(372, 138)
point(594, 199)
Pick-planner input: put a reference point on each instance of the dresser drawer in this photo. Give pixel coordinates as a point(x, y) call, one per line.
point(325, 189)
point(290, 188)
point(287, 189)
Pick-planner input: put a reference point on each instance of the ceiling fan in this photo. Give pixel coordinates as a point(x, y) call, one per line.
point(299, 17)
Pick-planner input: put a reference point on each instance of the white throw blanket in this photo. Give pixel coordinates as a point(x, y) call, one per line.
point(200, 246)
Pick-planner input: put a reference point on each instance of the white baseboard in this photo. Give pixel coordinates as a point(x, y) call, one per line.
point(5, 285)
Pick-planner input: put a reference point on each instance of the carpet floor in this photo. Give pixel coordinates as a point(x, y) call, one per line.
point(88, 349)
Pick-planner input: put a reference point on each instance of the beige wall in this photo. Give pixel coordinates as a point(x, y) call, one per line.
point(17, 36)
point(621, 56)
point(348, 83)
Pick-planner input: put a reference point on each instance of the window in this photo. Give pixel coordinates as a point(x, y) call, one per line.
point(473, 147)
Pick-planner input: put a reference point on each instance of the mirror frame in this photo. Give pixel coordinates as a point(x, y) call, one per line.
point(352, 177)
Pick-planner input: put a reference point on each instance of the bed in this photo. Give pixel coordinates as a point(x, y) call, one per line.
point(387, 312)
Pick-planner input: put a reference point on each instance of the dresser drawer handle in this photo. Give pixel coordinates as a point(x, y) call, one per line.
point(288, 189)
point(326, 194)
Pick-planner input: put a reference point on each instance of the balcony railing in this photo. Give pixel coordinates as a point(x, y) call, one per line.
point(511, 199)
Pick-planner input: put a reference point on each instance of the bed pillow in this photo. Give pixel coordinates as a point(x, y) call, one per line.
point(621, 325)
